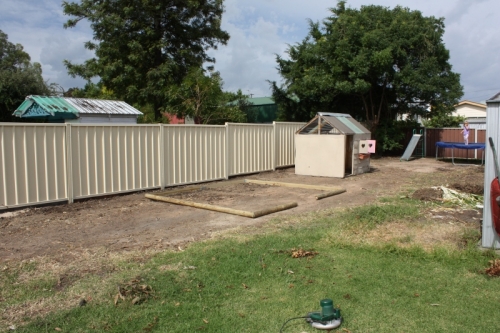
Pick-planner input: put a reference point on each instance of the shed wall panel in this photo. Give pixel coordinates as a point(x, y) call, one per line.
point(359, 166)
point(320, 155)
point(489, 237)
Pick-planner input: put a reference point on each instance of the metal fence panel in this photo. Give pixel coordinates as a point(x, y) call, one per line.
point(251, 148)
point(53, 162)
point(489, 237)
point(194, 153)
point(114, 158)
point(284, 134)
point(33, 164)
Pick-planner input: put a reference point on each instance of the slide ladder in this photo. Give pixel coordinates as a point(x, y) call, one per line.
point(415, 139)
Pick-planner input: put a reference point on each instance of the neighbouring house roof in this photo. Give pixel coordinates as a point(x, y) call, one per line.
point(466, 102)
point(333, 123)
point(261, 101)
point(53, 107)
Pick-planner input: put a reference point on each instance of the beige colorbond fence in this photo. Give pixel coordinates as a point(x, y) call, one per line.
point(33, 164)
point(43, 163)
point(250, 148)
point(194, 153)
point(111, 159)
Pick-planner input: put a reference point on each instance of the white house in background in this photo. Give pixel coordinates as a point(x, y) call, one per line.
point(474, 112)
point(470, 109)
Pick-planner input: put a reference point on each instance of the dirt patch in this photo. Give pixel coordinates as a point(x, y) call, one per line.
point(240, 195)
point(428, 194)
point(469, 188)
point(134, 223)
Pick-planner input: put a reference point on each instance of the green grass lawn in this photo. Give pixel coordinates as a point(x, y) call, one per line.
point(251, 283)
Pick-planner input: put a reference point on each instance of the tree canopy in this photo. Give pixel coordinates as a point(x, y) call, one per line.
point(18, 78)
point(201, 97)
point(373, 63)
point(144, 46)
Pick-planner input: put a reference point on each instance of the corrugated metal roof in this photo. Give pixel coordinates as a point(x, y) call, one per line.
point(65, 107)
point(101, 106)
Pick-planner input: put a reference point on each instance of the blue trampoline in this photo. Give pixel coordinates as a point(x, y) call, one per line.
point(460, 145)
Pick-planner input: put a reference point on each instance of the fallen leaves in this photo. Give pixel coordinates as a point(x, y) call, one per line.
point(301, 253)
point(134, 290)
point(494, 269)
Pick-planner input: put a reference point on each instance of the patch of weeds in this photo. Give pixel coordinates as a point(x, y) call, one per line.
point(405, 240)
point(28, 266)
point(469, 238)
point(368, 217)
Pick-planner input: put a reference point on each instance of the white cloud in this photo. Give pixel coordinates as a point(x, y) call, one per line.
point(260, 29)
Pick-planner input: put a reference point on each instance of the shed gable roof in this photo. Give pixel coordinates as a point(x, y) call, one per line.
point(333, 123)
point(70, 108)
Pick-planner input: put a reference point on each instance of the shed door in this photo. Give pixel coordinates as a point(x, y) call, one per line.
point(348, 154)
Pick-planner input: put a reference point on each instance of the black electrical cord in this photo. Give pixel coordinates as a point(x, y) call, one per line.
point(281, 330)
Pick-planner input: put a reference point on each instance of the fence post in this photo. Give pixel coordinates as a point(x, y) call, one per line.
point(226, 152)
point(162, 157)
point(425, 142)
point(69, 165)
point(275, 146)
point(475, 140)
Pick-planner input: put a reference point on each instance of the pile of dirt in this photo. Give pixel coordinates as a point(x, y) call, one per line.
point(469, 188)
point(428, 194)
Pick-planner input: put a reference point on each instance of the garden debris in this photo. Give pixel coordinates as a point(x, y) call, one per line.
point(300, 253)
point(134, 290)
point(494, 269)
point(460, 198)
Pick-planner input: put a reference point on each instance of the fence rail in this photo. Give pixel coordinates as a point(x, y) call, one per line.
point(43, 163)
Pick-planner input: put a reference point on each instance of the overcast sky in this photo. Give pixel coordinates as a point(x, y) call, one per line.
point(259, 30)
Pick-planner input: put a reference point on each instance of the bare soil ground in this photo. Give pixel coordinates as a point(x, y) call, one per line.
point(132, 222)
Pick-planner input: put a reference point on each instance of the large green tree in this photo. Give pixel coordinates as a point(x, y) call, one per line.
point(201, 97)
point(144, 46)
point(18, 78)
point(373, 62)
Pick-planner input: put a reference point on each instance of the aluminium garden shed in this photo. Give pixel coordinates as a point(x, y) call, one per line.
point(55, 109)
point(333, 145)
